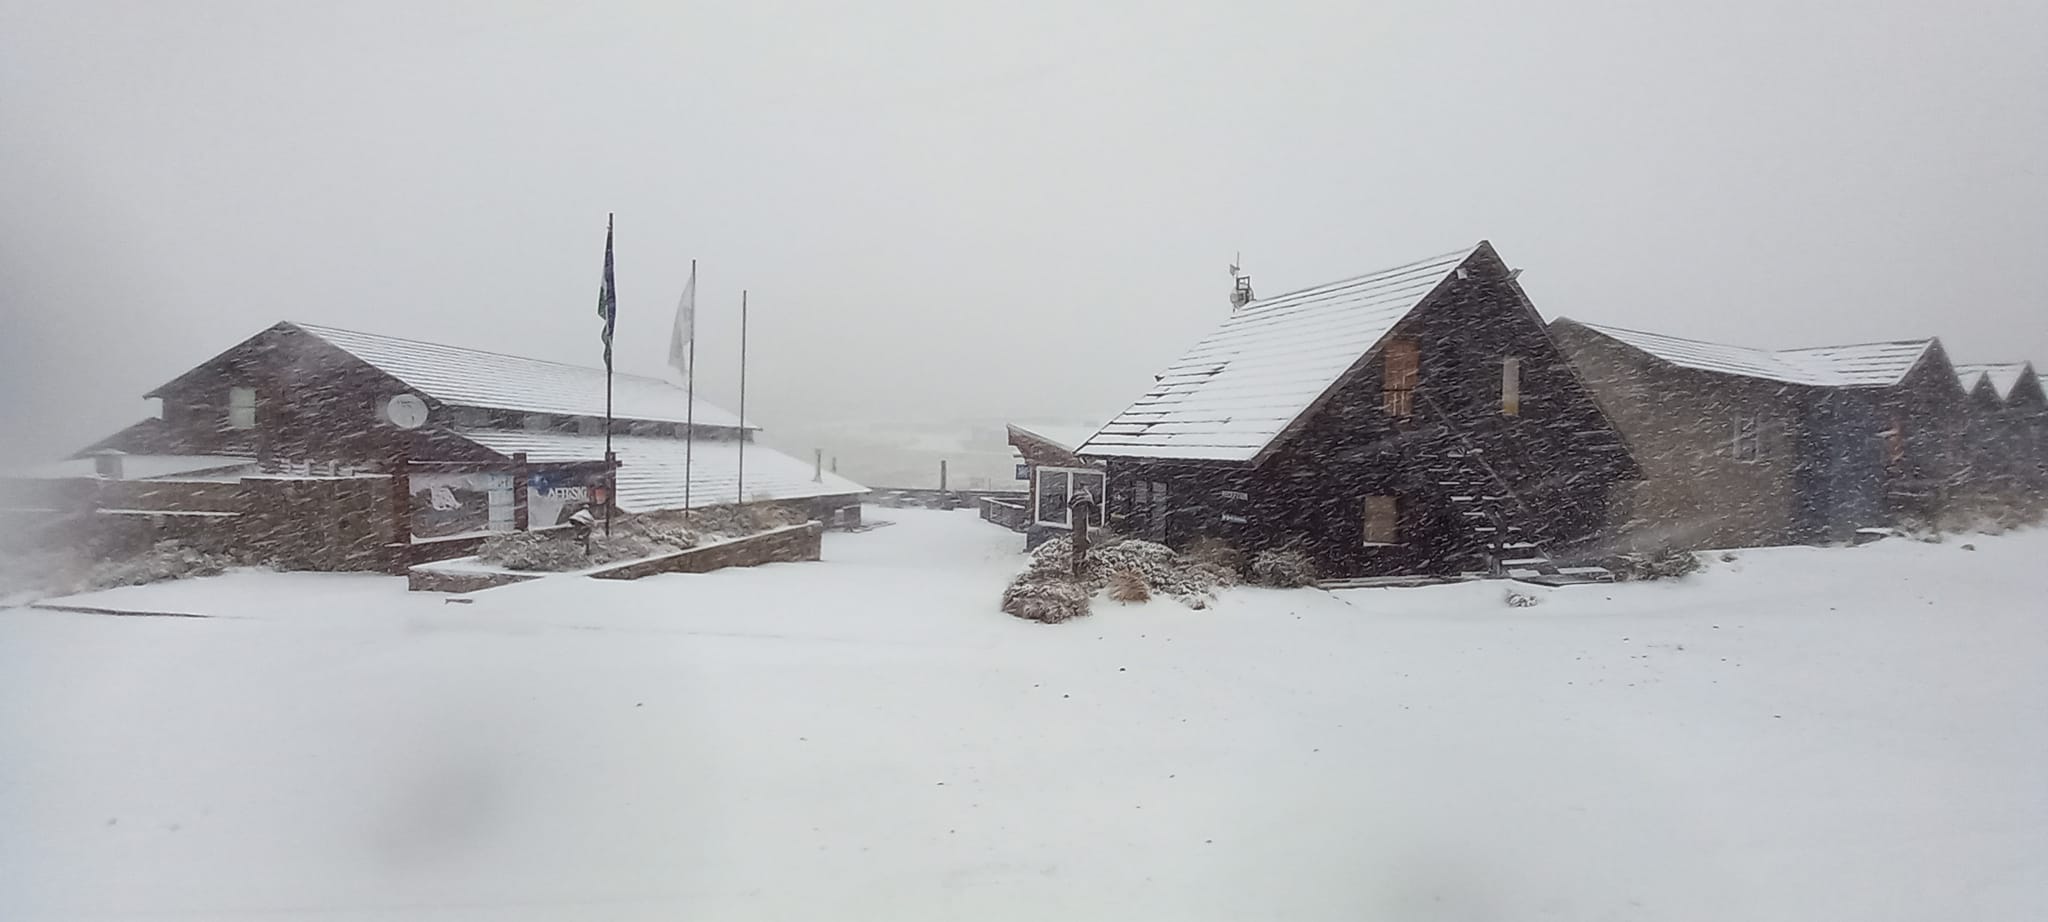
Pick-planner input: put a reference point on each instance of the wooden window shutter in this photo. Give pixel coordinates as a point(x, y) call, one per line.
point(1401, 363)
point(1511, 386)
point(1382, 520)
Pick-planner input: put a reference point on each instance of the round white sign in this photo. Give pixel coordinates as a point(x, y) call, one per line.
point(406, 411)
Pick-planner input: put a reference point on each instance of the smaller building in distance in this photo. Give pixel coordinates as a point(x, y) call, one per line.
point(1743, 446)
point(341, 449)
point(1414, 420)
point(2010, 430)
point(1054, 475)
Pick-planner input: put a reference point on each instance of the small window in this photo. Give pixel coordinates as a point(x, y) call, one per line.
point(1401, 369)
point(1382, 521)
point(538, 422)
point(1749, 442)
point(1059, 486)
point(472, 417)
point(589, 425)
point(241, 408)
point(1511, 386)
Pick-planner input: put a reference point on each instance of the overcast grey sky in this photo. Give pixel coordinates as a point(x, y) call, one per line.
point(963, 209)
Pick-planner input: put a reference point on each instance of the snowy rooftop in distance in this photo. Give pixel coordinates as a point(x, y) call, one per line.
point(473, 378)
point(2003, 376)
point(651, 469)
point(139, 467)
point(1241, 386)
point(1860, 365)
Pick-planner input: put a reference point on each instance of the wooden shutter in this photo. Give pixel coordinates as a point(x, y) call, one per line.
point(1511, 386)
point(1401, 363)
point(1382, 520)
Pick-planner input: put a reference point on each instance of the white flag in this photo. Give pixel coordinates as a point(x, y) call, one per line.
point(686, 326)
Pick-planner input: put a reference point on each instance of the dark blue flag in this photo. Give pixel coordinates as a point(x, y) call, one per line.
point(607, 297)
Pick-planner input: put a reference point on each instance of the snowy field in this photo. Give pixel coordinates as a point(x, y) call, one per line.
point(1800, 734)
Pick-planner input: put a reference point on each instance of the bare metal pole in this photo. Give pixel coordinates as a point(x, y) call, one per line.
point(742, 473)
point(690, 395)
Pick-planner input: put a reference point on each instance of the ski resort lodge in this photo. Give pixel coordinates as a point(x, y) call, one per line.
point(333, 449)
point(1414, 420)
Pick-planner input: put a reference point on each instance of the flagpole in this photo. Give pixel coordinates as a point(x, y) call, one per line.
point(690, 393)
point(611, 477)
point(742, 478)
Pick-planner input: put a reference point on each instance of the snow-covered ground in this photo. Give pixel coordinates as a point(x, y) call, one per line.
point(1800, 734)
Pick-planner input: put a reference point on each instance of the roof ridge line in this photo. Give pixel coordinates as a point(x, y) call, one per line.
point(314, 328)
point(1467, 254)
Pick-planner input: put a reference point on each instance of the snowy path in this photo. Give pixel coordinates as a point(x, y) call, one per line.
point(1803, 734)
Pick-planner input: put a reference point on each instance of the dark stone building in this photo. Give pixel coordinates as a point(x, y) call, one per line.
point(1417, 420)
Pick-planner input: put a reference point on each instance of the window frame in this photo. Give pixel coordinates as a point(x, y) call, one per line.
point(1754, 438)
point(241, 417)
point(1038, 476)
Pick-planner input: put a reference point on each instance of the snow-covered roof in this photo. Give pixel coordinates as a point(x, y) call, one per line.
point(474, 378)
point(1068, 437)
point(651, 469)
point(1862, 365)
point(140, 467)
point(1240, 387)
point(2003, 376)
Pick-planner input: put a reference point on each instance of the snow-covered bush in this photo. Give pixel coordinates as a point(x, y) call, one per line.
point(1158, 568)
point(1522, 600)
point(1286, 568)
point(1217, 553)
point(66, 571)
point(1045, 597)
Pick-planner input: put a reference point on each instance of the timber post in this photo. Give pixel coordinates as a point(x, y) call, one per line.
point(1081, 509)
point(519, 475)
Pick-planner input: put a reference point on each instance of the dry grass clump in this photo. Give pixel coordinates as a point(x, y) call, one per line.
point(1126, 586)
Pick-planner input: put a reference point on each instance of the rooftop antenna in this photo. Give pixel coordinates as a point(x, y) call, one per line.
point(1241, 284)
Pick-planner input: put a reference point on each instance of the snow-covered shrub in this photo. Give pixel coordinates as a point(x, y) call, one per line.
point(1157, 567)
point(1045, 597)
point(1286, 568)
point(1664, 564)
point(1522, 600)
point(1127, 586)
point(1217, 553)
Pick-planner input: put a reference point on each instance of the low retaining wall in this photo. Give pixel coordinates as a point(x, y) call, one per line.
point(425, 578)
point(918, 497)
point(788, 544)
point(1009, 513)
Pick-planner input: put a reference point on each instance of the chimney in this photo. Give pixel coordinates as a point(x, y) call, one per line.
point(106, 464)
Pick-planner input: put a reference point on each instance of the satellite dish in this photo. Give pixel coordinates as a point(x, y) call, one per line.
point(406, 411)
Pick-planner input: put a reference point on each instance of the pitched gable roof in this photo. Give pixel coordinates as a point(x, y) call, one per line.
point(1861, 365)
point(2003, 376)
point(474, 378)
point(1267, 364)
